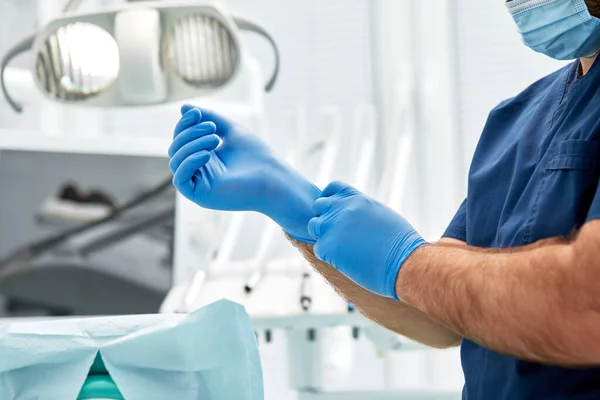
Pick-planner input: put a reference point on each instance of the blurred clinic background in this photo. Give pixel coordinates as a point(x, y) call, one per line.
point(390, 95)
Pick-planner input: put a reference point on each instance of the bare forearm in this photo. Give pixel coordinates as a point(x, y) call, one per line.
point(395, 316)
point(536, 303)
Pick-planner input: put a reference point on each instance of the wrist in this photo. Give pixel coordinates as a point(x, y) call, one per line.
point(411, 270)
point(405, 247)
point(291, 198)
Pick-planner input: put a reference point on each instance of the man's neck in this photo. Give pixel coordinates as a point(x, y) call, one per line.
point(585, 64)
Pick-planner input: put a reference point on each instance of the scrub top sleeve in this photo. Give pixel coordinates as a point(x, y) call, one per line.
point(594, 211)
point(458, 226)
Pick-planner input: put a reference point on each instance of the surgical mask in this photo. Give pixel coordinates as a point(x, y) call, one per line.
point(561, 29)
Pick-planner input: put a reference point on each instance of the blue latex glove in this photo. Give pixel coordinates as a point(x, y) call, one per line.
point(220, 165)
point(363, 239)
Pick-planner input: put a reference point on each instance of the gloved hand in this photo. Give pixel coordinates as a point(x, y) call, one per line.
point(220, 165)
point(363, 239)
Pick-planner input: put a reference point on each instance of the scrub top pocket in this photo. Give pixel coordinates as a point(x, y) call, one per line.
point(566, 191)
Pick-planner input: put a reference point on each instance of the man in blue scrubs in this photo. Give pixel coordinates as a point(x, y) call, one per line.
point(515, 278)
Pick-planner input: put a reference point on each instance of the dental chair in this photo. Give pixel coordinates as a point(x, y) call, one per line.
point(108, 267)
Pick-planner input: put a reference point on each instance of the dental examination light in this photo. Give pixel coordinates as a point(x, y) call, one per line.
point(136, 54)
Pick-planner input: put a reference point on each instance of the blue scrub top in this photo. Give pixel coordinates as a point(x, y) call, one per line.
point(534, 176)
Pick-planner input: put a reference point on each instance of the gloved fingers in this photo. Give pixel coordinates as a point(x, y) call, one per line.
point(315, 227)
point(190, 134)
point(189, 119)
point(223, 124)
point(336, 187)
point(186, 108)
point(322, 205)
point(205, 143)
point(182, 179)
